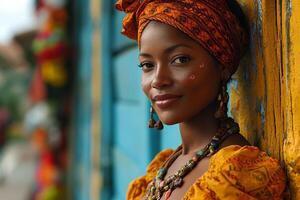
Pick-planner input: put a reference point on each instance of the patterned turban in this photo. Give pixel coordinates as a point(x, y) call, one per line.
point(209, 22)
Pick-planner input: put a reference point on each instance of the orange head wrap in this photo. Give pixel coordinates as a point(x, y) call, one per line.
point(209, 22)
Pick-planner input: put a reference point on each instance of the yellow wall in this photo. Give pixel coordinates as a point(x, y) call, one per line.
point(264, 100)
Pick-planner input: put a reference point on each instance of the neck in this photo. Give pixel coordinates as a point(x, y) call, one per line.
point(198, 131)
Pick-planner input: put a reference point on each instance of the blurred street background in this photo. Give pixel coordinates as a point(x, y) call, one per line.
point(35, 98)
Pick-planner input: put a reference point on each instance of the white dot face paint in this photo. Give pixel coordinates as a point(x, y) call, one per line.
point(192, 77)
point(201, 66)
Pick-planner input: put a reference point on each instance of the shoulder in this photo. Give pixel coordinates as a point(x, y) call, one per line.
point(242, 172)
point(249, 171)
point(137, 188)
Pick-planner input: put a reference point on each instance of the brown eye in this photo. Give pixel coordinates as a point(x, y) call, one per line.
point(181, 60)
point(146, 66)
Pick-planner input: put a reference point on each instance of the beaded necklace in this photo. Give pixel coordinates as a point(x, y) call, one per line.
point(159, 187)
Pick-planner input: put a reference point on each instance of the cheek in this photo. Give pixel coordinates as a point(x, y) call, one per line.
point(196, 74)
point(191, 80)
point(146, 85)
point(197, 78)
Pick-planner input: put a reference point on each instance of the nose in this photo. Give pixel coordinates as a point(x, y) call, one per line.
point(162, 77)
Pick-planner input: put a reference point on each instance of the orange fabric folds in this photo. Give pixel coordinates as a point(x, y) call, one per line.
point(208, 22)
point(234, 173)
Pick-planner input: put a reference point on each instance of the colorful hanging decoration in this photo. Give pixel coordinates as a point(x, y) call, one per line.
point(50, 46)
point(47, 118)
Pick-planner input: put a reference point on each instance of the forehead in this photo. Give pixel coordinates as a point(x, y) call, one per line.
point(164, 35)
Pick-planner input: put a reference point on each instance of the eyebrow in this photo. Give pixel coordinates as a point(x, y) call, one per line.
point(168, 50)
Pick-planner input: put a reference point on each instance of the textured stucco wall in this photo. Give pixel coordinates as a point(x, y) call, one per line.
point(265, 90)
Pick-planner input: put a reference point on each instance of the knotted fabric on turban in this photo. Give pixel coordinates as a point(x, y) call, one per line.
point(209, 22)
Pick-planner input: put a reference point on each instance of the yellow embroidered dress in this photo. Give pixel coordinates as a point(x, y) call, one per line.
point(234, 173)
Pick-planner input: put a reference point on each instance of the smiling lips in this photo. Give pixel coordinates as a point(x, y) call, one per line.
point(165, 100)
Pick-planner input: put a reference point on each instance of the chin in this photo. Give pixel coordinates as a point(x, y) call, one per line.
point(169, 120)
point(169, 123)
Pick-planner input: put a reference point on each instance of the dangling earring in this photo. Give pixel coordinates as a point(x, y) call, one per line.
point(152, 123)
point(223, 98)
point(225, 122)
point(159, 125)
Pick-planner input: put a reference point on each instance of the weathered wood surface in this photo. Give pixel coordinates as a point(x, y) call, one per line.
point(265, 90)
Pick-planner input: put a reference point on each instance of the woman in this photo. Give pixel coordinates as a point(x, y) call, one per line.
point(188, 51)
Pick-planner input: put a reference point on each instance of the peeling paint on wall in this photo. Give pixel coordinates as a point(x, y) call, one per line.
point(268, 80)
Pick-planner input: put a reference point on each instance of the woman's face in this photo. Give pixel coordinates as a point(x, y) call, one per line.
point(179, 77)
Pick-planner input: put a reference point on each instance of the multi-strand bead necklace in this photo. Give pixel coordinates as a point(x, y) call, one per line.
point(164, 186)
